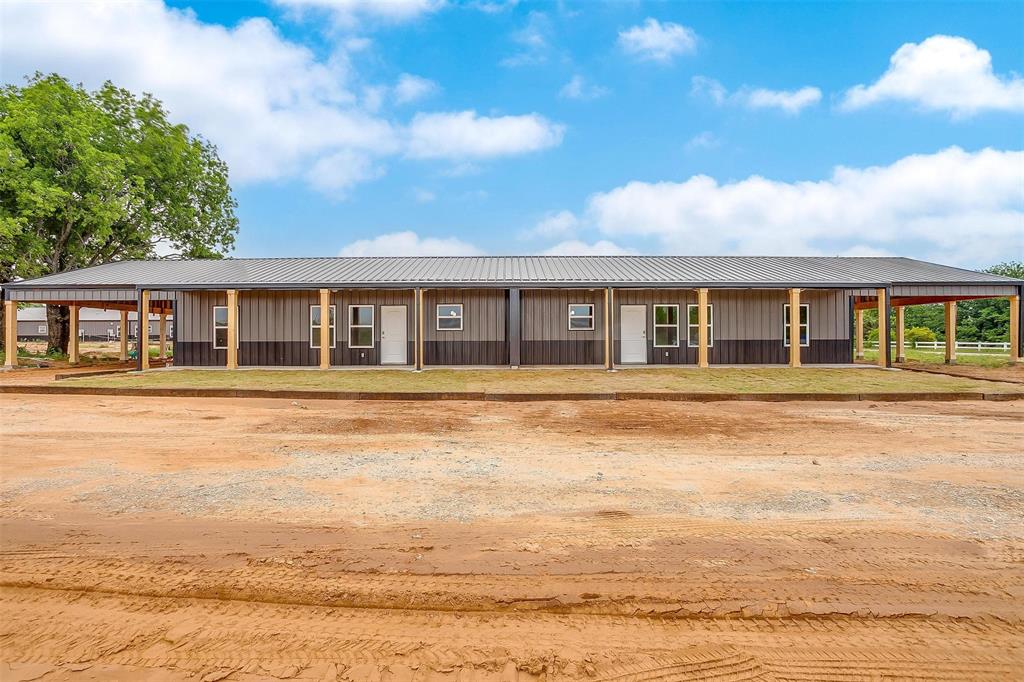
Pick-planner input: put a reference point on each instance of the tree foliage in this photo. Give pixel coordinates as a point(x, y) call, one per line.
point(93, 177)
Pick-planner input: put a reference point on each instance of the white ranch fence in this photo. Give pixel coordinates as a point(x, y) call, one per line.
point(991, 347)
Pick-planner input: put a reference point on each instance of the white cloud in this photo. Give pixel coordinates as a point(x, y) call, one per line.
point(654, 41)
point(574, 247)
point(348, 12)
point(791, 102)
point(411, 88)
point(408, 243)
point(703, 140)
point(560, 224)
point(579, 88)
point(953, 206)
point(462, 135)
point(493, 6)
point(335, 174)
point(423, 196)
point(533, 40)
point(942, 73)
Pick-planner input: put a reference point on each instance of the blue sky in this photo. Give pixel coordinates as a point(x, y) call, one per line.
point(422, 126)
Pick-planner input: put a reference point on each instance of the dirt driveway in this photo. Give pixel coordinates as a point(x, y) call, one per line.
point(262, 539)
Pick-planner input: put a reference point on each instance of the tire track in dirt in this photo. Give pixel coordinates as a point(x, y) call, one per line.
point(61, 627)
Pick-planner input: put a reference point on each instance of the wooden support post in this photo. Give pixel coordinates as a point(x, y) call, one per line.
point(421, 327)
point(417, 358)
point(901, 353)
point(702, 327)
point(794, 327)
point(124, 336)
point(144, 331)
point(325, 329)
point(163, 337)
point(950, 332)
point(73, 335)
point(607, 329)
point(859, 315)
point(1015, 329)
point(10, 333)
point(884, 333)
point(232, 350)
point(611, 329)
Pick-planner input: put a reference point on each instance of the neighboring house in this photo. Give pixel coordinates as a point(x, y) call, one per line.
point(94, 324)
point(511, 311)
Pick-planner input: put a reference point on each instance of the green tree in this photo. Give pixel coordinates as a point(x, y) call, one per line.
point(93, 177)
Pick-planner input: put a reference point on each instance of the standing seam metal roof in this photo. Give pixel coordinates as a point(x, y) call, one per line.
point(562, 271)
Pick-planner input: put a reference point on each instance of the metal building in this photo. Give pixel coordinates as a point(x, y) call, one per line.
point(520, 310)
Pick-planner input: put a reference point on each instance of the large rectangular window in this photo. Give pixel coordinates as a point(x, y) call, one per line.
point(805, 324)
point(449, 317)
point(693, 325)
point(220, 327)
point(581, 317)
point(360, 326)
point(316, 326)
point(666, 326)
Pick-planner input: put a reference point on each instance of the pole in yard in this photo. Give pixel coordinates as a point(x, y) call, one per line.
point(950, 332)
point(1015, 328)
point(11, 332)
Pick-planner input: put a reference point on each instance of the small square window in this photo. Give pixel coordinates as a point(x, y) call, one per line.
point(449, 317)
point(581, 317)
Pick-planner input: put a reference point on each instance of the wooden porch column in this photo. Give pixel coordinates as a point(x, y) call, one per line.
point(901, 354)
point(420, 329)
point(702, 327)
point(950, 332)
point(143, 331)
point(608, 328)
point(124, 336)
point(611, 329)
point(417, 357)
point(325, 328)
point(794, 327)
point(232, 351)
point(1015, 329)
point(859, 316)
point(73, 335)
point(884, 333)
point(163, 336)
point(11, 333)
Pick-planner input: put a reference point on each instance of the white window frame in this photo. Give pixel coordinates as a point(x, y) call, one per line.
point(238, 337)
point(693, 330)
point(216, 327)
point(663, 325)
point(785, 324)
point(331, 326)
point(438, 317)
point(572, 317)
point(372, 326)
point(41, 329)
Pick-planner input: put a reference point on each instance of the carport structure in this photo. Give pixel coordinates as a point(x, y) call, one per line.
point(144, 302)
point(610, 311)
point(897, 298)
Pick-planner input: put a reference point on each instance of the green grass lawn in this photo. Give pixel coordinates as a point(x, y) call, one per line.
point(939, 357)
point(714, 380)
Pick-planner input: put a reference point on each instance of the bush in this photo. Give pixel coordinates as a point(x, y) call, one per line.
point(915, 334)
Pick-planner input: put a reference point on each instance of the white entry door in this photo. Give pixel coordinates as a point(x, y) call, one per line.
point(394, 335)
point(633, 326)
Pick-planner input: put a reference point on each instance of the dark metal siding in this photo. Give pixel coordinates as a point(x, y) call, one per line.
point(546, 337)
point(651, 297)
point(482, 340)
point(195, 330)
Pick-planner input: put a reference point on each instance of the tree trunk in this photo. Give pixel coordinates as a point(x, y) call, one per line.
point(58, 322)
